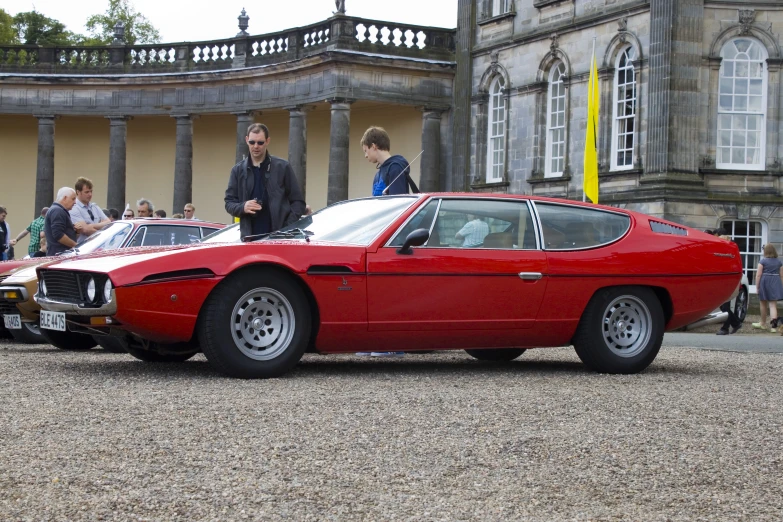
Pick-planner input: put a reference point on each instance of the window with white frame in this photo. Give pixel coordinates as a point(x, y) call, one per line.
point(496, 134)
point(750, 237)
point(624, 111)
point(742, 105)
point(500, 7)
point(556, 122)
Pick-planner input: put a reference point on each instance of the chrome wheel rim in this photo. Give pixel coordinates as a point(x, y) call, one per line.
point(262, 324)
point(627, 325)
point(741, 306)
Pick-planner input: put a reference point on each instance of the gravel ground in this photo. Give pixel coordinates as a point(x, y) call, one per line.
point(98, 436)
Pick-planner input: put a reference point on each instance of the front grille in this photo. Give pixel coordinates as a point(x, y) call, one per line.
point(63, 286)
point(7, 308)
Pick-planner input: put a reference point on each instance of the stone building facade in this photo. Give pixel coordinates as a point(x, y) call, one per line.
point(167, 121)
point(691, 127)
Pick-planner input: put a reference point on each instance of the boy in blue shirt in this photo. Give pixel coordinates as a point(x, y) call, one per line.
point(393, 176)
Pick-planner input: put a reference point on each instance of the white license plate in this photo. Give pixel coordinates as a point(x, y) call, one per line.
point(13, 322)
point(53, 320)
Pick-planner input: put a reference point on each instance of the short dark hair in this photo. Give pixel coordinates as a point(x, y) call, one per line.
point(3, 210)
point(81, 183)
point(376, 136)
point(160, 213)
point(258, 127)
point(114, 213)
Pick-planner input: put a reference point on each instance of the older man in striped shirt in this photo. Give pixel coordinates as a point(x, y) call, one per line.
point(473, 233)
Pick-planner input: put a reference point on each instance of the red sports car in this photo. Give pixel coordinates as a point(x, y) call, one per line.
point(491, 274)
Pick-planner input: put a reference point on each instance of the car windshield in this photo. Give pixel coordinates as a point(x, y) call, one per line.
point(230, 234)
point(355, 222)
point(108, 238)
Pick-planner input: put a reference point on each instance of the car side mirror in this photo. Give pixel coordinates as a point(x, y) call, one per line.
point(416, 238)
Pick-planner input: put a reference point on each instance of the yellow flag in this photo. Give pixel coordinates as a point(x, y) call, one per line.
point(591, 139)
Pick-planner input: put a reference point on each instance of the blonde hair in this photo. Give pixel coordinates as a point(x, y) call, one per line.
point(769, 250)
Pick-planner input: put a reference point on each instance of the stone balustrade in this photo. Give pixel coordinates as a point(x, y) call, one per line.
point(339, 33)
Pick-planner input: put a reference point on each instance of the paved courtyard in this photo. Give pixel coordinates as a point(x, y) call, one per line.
point(98, 436)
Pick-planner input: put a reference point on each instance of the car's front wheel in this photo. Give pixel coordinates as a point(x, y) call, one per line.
point(496, 354)
point(68, 340)
point(255, 325)
point(30, 333)
point(621, 330)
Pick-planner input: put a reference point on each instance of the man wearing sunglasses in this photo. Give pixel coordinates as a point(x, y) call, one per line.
point(262, 189)
point(85, 211)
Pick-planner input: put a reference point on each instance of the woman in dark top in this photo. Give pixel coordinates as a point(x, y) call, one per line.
point(770, 287)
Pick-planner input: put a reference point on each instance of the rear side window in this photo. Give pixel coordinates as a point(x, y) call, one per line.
point(572, 228)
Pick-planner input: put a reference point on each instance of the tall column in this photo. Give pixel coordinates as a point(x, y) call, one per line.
point(183, 163)
point(297, 145)
point(44, 173)
point(658, 104)
point(244, 119)
point(118, 132)
point(339, 138)
point(430, 145)
point(463, 81)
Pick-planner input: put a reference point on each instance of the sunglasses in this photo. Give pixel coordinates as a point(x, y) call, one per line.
point(251, 142)
point(92, 218)
point(127, 216)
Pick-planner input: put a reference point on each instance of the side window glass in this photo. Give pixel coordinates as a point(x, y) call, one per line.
point(162, 235)
point(571, 228)
point(205, 231)
point(138, 239)
point(494, 224)
point(422, 219)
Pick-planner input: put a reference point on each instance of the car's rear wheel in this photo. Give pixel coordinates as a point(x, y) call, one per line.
point(255, 325)
point(741, 304)
point(149, 351)
point(109, 343)
point(29, 334)
point(496, 354)
point(68, 340)
point(621, 330)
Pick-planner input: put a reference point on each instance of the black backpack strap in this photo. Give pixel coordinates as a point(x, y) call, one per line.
point(411, 183)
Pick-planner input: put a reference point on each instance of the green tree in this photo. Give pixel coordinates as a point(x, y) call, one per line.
point(33, 28)
point(138, 30)
point(8, 34)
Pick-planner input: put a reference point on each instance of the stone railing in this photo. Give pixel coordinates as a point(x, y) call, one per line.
point(340, 33)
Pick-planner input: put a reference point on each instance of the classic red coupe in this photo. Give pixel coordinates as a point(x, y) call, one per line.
point(491, 274)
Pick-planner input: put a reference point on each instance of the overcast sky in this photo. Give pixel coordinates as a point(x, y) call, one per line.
point(178, 20)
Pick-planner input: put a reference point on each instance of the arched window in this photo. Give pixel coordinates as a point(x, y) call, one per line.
point(624, 111)
point(496, 134)
point(742, 105)
point(556, 122)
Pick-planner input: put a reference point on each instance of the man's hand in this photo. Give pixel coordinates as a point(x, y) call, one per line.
point(252, 206)
point(12, 242)
point(78, 226)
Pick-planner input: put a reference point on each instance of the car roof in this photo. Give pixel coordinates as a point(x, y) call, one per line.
point(174, 221)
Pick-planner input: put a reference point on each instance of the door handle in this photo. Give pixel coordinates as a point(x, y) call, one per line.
point(530, 276)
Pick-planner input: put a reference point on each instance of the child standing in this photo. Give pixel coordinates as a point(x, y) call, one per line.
point(770, 286)
point(393, 176)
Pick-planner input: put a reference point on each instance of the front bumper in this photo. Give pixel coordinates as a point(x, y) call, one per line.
point(53, 305)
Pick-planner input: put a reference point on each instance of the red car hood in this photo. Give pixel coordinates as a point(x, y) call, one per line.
point(132, 265)
point(7, 267)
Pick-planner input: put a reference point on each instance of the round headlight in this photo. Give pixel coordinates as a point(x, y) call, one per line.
point(43, 287)
point(91, 289)
point(107, 291)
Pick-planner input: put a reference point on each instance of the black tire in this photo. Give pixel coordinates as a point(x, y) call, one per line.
point(68, 340)
point(151, 352)
point(109, 343)
point(496, 354)
point(621, 330)
point(29, 334)
point(741, 304)
point(255, 325)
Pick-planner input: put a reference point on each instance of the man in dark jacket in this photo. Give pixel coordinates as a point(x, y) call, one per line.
point(262, 190)
point(59, 230)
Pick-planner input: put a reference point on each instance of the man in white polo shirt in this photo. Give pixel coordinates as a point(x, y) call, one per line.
point(474, 232)
point(87, 212)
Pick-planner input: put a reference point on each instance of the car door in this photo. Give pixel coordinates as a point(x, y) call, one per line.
point(455, 284)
